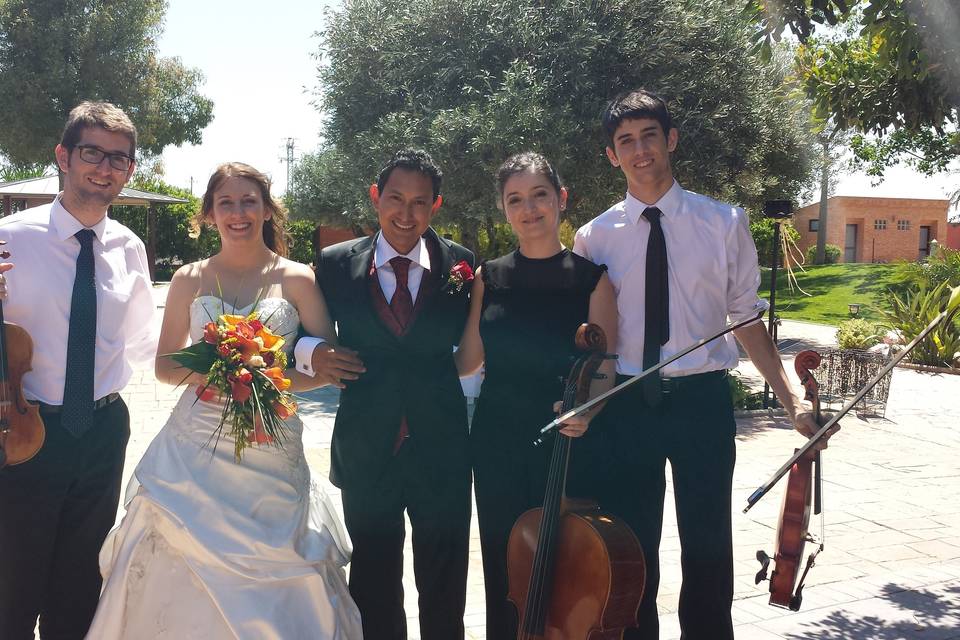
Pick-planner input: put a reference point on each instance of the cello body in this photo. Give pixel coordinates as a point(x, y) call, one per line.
point(574, 572)
point(597, 556)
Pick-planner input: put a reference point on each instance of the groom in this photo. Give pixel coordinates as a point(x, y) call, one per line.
point(400, 438)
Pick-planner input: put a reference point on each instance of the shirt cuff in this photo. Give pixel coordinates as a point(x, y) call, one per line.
point(303, 353)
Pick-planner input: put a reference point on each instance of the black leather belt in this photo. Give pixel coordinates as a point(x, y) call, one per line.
point(97, 404)
point(677, 384)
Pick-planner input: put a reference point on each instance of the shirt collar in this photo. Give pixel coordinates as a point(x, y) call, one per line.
point(66, 225)
point(669, 203)
point(384, 252)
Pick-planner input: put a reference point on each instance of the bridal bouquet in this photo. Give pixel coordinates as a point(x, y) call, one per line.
point(244, 364)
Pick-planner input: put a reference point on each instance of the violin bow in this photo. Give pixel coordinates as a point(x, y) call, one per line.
point(951, 307)
point(590, 404)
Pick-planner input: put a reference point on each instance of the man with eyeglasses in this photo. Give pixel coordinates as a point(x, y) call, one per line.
point(78, 282)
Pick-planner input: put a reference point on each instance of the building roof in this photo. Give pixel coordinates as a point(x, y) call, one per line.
point(49, 187)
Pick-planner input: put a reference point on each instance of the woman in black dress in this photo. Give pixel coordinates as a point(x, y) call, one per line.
point(525, 309)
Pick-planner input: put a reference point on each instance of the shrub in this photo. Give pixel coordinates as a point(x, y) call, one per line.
point(943, 265)
point(831, 254)
point(300, 240)
point(911, 312)
point(743, 397)
point(762, 232)
point(858, 333)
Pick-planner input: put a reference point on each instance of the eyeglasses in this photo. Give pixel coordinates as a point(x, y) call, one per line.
point(95, 155)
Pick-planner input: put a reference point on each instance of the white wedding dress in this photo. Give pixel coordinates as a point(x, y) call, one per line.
point(214, 549)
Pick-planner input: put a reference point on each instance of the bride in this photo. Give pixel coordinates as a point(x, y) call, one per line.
point(209, 547)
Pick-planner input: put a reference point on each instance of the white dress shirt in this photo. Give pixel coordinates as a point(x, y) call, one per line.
point(40, 288)
point(420, 261)
point(712, 276)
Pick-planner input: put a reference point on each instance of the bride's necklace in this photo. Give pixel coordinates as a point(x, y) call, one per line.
point(253, 273)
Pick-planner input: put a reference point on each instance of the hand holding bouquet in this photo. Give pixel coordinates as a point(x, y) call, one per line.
point(244, 364)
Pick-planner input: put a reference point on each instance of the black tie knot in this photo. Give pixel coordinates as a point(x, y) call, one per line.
point(652, 214)
point(400, 266)
point(84, 236)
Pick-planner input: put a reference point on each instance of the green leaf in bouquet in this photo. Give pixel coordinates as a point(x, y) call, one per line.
point(198, 357)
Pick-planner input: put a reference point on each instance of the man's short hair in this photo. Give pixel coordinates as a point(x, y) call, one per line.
point(412, 160)
point(634, 105)
point(107, 116)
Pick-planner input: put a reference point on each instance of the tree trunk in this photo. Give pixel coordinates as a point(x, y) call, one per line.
point(468, 237)
point(493, 244)
point(824, 194)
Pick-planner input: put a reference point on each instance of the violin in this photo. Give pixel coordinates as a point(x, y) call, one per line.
point(804, 485)
point(21, 428)
point(574, 572)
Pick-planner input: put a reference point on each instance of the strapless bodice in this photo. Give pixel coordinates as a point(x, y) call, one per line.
point(278, 314)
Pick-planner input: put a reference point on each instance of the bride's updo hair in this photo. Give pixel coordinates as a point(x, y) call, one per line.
point(274, 235)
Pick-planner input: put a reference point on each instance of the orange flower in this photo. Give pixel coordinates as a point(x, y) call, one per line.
point(244, 330)
point(247, 347)
point(240, 385)
point(284, 409)
point(276, 377)
point(259, 435)
point(271, 341)
point(211, 334)
point(231, 321)
point(206, 392)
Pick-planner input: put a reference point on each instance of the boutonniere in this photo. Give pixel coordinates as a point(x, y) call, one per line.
point(460, 274)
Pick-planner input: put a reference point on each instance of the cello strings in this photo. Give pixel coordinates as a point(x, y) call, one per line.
point(535, 618)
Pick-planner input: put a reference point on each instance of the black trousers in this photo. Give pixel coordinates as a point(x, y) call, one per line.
point(510, 476)
point(55, 511)
point(440, 519)
point(694, 429)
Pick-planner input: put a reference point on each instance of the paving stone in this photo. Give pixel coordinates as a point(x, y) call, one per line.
point(889, 570)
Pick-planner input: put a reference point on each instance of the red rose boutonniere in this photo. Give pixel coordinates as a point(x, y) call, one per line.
point(460, 274)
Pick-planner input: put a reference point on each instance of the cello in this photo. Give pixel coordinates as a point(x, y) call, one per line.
point(574, 572)
point(21, 428)
point(804, 484)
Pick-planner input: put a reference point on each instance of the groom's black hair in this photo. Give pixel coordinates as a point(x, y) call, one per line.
point(414, 160)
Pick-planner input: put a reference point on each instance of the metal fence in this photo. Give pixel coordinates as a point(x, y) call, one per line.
point(844, 372)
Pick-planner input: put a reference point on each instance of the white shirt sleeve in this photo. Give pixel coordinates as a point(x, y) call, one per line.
point(140, 344)
point(303, 352)
point(743, 301)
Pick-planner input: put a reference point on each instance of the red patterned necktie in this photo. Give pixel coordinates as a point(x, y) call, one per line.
point(402, 302)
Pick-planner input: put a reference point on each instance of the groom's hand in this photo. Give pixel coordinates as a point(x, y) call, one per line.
point(335, 364)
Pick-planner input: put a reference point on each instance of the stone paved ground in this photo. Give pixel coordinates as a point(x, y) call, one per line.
point(891, 567)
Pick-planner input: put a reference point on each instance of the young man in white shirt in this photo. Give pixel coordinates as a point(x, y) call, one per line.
point(683, 266)
point(79, 283)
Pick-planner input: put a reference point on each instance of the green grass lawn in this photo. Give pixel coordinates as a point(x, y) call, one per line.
point(831, 287)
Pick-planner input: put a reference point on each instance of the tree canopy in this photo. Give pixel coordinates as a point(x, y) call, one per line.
point(897, 76)
point(56, 53)
point(473, 81)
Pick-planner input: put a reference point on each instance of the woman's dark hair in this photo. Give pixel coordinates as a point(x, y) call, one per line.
point(274, 235)
point(526, 161)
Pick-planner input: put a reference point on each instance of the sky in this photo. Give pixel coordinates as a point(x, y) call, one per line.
point(256, 59)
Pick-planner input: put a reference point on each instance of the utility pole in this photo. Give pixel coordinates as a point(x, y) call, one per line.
point(289, 160)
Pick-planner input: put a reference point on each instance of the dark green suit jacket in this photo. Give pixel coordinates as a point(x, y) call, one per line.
point(413, 375)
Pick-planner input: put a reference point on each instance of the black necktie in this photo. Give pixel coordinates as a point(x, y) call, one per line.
point(656, 327)
point(77, 412)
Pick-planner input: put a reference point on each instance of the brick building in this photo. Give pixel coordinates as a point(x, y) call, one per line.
point(871, 229)
point(953, 235)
